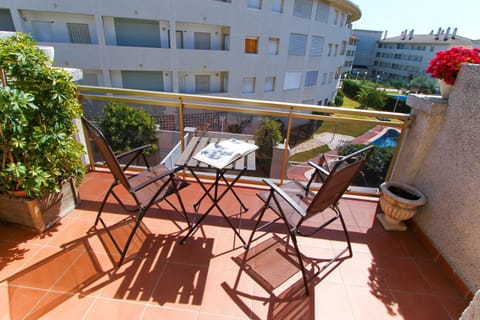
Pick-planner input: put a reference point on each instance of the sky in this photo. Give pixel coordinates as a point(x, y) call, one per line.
point(420, 15)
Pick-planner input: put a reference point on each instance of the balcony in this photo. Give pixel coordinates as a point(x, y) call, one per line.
point(67, 271)
point(427, 272)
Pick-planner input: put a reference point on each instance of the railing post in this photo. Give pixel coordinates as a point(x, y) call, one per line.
point(182, 129)
point(287, 143)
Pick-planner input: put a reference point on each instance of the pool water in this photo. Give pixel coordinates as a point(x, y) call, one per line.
point(388, 139)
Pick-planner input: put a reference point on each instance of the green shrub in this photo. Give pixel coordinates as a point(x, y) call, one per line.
point(267, 135)
point(38, 105)
point(351, 88)
point(127, 127)
point(376, 167)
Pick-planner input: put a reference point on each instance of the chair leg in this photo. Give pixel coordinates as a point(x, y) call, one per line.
point(300, 261)
point(347, 237)
point(123, 253)
point(103, 203)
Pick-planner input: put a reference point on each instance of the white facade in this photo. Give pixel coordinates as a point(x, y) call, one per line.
point(284, 50)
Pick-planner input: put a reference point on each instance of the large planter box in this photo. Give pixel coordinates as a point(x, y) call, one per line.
point(39, 214)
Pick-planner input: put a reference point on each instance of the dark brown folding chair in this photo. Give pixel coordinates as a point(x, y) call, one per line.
point(149, 187)
point(295, 202)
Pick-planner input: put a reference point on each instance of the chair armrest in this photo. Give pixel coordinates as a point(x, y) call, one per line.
point(319, 168)
point(152, 180)
point(137, 149)
point(286, 197)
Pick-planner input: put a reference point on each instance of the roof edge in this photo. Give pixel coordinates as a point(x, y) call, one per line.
point(350, 7)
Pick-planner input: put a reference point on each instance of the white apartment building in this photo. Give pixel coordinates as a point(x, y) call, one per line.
point(408, 55)
point(350, 55)
point(283, 50)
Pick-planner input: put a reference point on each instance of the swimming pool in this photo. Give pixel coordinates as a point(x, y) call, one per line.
point(388, 139)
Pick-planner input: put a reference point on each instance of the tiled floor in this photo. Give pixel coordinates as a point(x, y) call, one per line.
point(68, 272)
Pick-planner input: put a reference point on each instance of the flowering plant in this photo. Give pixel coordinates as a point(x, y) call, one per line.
point(446, 64)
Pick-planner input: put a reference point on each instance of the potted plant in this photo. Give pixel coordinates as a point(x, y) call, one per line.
point(40, 157)
point(399, 202)
point(446, 65)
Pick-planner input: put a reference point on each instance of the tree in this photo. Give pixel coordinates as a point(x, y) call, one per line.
point(267, 135)
point(370, 97)
point(423, 83)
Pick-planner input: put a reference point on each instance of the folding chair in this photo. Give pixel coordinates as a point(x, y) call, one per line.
point(295, 202)
point(149, 187)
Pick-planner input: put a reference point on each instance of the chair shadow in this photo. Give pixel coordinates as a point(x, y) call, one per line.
point(77, 269)
point(274, 266)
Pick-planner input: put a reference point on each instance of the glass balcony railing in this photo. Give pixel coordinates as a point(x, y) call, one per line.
point(289, 135)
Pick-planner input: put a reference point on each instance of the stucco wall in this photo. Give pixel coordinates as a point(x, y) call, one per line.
point(441, 157)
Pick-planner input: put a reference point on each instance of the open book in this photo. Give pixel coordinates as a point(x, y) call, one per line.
point(223, 153)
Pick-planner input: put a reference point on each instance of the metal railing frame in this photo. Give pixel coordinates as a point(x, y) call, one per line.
point(249, 106)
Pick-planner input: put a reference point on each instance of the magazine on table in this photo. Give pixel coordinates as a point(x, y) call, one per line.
point(225, 152)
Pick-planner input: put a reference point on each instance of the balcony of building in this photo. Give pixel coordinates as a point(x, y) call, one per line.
point(426, 272)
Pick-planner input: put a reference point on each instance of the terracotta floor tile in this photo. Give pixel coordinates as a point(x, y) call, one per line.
point(71, 272)
point(155, 313)
point(418, 306)
point(114, 309)
point(64, 305)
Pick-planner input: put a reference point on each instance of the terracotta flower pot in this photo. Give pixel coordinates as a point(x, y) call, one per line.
point(399, 202)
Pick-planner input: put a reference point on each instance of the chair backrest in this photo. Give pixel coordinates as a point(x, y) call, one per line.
point(106, 151)
point(339, 180)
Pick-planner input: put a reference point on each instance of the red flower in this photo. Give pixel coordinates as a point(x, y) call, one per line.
point(446, 64)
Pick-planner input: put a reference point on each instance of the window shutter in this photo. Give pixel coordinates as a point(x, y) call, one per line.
point(251, 45)
point(6, 22)
point(311, 78)
point(137, 32)
point(79, 32)
point(323, 9)
point(143, 80)
point(297, 45)
point(202, 40)
point(317, 46)
point(248, 85)
point(269, 85)
point(277, 6)
point(202, 83)
point(292, 80)
point(303, 8)
point(273, 44)
point(254, 4)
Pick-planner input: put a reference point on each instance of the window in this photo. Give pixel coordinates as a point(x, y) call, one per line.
point(273, 45)
point(336, 17)
point(248, 85)
point(78, 32)
point(324, 78)
point(254, 4)
point(303, 8)
point(292, 80)
point(89, 79)
point(338, 73)
point(297, 44)
point(336, 50)
point(323, 10)
point(269, 85)
point(330, 46)
point(251, 45)
point(316, 49)
point(143, 80)
point(202, 83)
point(311, 79)
point(277, 6)
point(201, 40)
point(42, 31)
point(330, 77)
point(179, 39)
point(137, 33)
point(6, 22)
point(343, 48)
